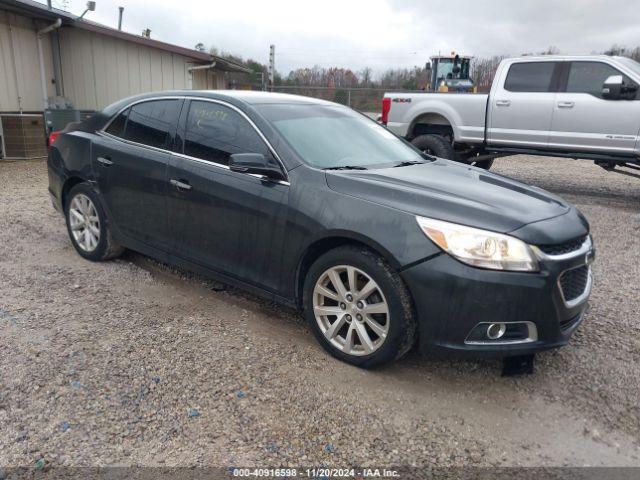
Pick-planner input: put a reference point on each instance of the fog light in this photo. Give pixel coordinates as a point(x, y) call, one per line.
point(496, 330)
point(485, 333)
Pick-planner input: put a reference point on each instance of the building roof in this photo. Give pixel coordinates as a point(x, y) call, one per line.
point(41, 11)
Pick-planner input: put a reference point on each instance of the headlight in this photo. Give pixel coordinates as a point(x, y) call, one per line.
point(480, 248)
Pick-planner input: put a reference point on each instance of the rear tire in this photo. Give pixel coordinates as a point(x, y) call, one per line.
point(88, 226)
point(369, 319)
point(435, 145)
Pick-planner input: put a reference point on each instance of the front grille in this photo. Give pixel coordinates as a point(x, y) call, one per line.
point(563, 248)
point(573, 282)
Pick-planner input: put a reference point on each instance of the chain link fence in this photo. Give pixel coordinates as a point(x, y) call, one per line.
point(363, 99)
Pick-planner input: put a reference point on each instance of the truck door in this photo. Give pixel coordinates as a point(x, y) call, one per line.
point(521, 104)
point(585, 121)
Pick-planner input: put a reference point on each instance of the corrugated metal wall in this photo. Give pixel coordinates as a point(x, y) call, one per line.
point(98, 70)
point(208, 80)
point(20, 87)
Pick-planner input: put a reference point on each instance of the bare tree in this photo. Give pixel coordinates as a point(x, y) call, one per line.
point(483, 70)
point(551, 50)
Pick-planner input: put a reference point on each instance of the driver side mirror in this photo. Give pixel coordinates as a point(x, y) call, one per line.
point(257, 164)
point(612, 88)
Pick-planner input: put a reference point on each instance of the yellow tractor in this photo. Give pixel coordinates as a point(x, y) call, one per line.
point(450, 73)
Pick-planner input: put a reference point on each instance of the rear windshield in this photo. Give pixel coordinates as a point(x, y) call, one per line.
point(335, 136)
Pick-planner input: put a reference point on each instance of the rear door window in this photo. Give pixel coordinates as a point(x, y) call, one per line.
point(214, 132)
point(152, 123)
point(530, 77)
point(116, 127)
point(589, 77)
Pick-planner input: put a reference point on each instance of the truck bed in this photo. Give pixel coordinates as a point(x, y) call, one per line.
point(466, 112)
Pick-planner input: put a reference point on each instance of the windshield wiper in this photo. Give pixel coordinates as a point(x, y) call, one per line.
point(409, 162)
point(347, 167)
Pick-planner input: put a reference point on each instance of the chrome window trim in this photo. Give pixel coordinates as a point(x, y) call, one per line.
point(187, 157)
point(532, 335)
point(103, 131)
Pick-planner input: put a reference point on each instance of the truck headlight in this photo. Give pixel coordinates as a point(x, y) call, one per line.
point(480, 248)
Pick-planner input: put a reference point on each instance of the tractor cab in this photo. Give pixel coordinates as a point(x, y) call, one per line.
point(450, 73)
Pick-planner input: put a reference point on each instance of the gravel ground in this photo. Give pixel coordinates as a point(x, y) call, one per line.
point(133, 363)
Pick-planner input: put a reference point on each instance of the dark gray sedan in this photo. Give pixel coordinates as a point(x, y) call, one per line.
point(313, 205)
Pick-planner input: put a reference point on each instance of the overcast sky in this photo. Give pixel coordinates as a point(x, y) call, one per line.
point(377, 33)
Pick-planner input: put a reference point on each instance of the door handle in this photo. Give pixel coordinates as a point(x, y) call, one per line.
point(566, 104)
point(180, 184)
point(503, 103)
point(106, 161)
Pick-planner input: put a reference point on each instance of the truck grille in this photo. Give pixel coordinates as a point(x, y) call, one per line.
point(573, 282)
point(563, 248)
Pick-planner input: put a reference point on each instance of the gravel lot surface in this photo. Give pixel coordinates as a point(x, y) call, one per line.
point(133, 363)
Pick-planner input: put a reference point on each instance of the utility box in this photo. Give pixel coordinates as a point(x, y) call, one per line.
point(56, 120)
point(23, 136)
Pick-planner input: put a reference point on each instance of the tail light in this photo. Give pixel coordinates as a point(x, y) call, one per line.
point(386, 106)
point(53, 136)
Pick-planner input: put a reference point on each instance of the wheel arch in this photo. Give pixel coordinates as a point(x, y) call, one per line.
point(435, 116)
point(431, 123)
point(329, 242)
point(68, 184)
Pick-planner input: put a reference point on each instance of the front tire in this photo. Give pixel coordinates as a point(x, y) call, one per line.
point(88, 226)
point(358, 307)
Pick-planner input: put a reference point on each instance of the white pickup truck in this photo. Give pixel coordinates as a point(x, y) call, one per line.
point(569, 106)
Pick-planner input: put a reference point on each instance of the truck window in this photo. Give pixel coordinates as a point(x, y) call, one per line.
point(588, 77)
point(530, 77)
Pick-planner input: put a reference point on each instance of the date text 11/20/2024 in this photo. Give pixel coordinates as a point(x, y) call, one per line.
point(315, 473)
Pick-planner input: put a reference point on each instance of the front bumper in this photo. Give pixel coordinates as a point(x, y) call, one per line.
point(452, 298)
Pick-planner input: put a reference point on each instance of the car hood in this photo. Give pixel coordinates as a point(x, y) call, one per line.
point(456, 193)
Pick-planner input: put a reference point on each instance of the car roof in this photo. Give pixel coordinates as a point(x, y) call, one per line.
point(252, 97)
point(244, 99)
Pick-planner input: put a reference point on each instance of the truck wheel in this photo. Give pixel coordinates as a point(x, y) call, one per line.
point(435, 145)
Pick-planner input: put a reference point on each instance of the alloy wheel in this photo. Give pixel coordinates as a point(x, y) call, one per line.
point(84, 222)
point(351, 310)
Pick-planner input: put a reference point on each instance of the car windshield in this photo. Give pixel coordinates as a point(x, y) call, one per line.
point(327, 136)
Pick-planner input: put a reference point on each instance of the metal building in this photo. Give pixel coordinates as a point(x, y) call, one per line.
point(52, 61)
